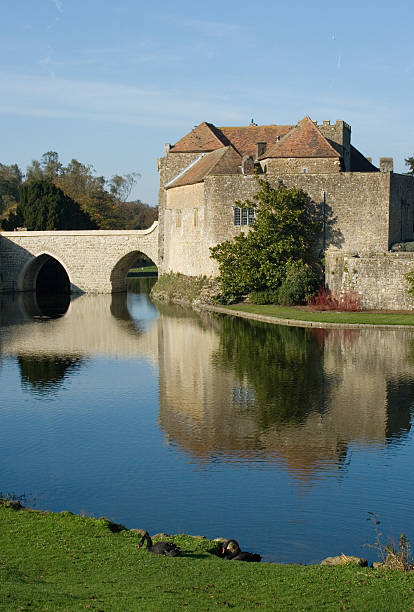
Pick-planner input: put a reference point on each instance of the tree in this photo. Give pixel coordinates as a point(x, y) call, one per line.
point(43, 206)
point(281, 241)
point(410, 163)
point(121, 186)
point(10, 181)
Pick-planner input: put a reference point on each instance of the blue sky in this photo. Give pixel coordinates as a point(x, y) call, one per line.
point(110, 82)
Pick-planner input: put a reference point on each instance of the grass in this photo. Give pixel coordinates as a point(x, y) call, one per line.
point(67, 562)
point(300, 314)
point(143, 271)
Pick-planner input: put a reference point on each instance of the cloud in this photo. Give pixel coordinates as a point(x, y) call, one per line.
point(58, 4)
point(215, 29)
point(35, 96)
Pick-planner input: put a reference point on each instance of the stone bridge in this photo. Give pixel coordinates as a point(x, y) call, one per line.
point(87, 261)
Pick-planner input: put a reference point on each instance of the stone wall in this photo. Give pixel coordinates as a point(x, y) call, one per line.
point(96, 261)
point(357, 206)
point(168, 166)
point(302, 165)
point(379, 278)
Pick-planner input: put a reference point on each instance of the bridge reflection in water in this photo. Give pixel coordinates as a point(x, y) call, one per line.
point(230, 390)
point(220, 416)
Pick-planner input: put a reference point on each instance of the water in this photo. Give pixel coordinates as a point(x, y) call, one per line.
point(284, 438)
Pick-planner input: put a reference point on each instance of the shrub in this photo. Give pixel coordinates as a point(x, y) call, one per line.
point(299, 284)
point(264, 297)
point(285, 230)
point(347, 301)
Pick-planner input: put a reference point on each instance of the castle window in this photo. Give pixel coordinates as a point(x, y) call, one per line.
point(196, 217)
point(178, 218)
point(236, 212)
point(243, 216)
point(304, 170)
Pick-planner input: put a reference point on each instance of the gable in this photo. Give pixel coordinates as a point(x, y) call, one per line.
point(222, 161)
point(202, 138)
point(304, 140)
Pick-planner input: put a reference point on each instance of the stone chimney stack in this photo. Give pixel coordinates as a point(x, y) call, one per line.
point(167, 148)
point(386, 164)
point(260, 149)
point(247, 165)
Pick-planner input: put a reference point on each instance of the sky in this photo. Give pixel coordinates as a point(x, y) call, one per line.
point(109, 82)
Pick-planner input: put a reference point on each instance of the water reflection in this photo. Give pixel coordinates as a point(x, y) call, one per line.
point(46, 374)
point(200, 409)
point(234, 390)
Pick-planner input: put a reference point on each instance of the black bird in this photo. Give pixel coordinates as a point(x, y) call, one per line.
point(168, 549)
point(231, 551)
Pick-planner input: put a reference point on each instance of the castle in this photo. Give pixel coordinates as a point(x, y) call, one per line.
point(364, 209)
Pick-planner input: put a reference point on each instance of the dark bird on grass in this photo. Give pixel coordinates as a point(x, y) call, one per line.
point(168, 549)
point(231, 551)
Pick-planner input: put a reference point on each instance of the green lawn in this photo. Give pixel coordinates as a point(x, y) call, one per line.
point(66, 562)
point(300, 314)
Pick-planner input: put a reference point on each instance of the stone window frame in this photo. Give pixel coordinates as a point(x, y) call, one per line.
point(178, 217)
point(243, 216)
point(196, 221)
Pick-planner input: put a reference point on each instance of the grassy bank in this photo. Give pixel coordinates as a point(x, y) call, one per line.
point(66, 562)
point(301, 314)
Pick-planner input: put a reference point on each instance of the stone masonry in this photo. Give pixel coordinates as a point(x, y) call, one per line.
point(96, 261)
point(364, 209)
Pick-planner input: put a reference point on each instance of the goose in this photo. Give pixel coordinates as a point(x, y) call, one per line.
point(168, 549)
point(231, 551)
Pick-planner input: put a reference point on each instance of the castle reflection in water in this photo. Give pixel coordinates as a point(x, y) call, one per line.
point(230, 390)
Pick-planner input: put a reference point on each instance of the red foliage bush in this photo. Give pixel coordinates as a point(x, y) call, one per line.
point(324, 299)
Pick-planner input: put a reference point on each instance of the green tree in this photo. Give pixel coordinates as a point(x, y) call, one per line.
point(10, 181)
point(43, 206)
point(284, 234)
point(410, 163)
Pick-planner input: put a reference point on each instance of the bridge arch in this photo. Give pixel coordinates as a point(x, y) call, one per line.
point(44, 273)
point(120, 270)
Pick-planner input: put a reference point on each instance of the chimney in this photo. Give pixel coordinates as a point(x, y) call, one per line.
point(167, 148)
point(247, 165)
point(260, 149)
point(386, 164)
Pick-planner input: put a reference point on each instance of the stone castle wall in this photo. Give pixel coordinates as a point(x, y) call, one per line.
point(302, 165)
point(379, 278)
point(357, 206)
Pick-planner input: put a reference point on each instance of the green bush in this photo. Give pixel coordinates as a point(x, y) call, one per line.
point(299, 284)
point(285, 231)
point(264, 297)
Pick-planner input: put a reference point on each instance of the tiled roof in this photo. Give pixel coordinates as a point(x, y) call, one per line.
point(244, 139)
point(221, 161)
point(203, 137)
point(303, 140)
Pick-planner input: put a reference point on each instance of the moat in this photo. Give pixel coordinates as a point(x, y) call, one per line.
point(176, 421)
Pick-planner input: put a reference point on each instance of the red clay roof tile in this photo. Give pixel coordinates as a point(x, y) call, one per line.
point(202, 138)
point(221, 161)
point(303, 140)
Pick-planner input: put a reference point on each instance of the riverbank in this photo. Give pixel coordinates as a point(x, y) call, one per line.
point(200, 293)
point(61, 561)
point(299, 317)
